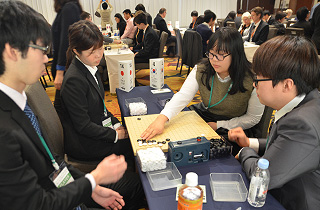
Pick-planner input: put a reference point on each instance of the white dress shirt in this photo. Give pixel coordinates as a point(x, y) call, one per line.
point(190, 87)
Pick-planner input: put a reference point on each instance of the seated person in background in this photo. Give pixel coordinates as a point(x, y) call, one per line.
point(267, 17)
point(130, 30)
point(238, 19)
point(149, 48)
point(278, 23)
point(244, 29)
point(121, 23)
point(230, 17)
point(259, 30)
point(303, 16)
point(288, 85)
point(204, 29)
point(104, 13)
point(85, 16)
point(288, 14)
point(225, 85)
point(91, 131)
point(25, 163)
point(199, 20)
point(143, 9)
point(162, 26)
point(194, 16)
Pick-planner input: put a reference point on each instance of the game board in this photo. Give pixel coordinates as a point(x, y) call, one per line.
point(185, 125)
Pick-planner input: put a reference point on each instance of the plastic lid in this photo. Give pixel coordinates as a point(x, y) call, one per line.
point(191, 179)
point(263, 163)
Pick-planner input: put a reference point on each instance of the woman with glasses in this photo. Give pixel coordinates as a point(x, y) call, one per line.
point(225, 84)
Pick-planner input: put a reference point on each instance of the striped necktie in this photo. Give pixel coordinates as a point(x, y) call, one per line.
point(34, 121)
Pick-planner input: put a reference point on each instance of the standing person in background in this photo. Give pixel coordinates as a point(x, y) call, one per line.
point(231, 16)
point(267, 17)
point(313, 8)
point(68, 12)
point(129, 32)
point(121, 23)
point(315, 24)
point(259, 30)
point(303, 16)
point(162, 26)
point(104, 13)
point(238, 19)
point(204, 29)
point(194, 16)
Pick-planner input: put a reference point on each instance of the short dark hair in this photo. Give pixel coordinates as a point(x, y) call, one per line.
point(194, 13)
point(302, 13)
point(85, 15)
point(104, 5)
point(200, 19)
point(208, 15)
point(257, 10)
point(82, 36)
point(266, 12)
point(127, 11)
point(280, 15)
point(140, 7)
point(162, 10)
point(58, 4)
point(21, 25)
point(229, 40)
point(232, 15)
point(140, 18)
point(286, 57)
point(240, 11)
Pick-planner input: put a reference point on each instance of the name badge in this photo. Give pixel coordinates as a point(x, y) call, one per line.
point(61, 177)
point(107, 123)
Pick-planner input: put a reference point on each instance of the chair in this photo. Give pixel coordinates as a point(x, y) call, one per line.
point(163, 40)
point(295, 31)
point(158, 31)
point(231, 24)
point(220, 23)
point(291, 22)
point(272, 32)
point(192, 49)
point(154, 26)
point(179, 45)
point(51, 126)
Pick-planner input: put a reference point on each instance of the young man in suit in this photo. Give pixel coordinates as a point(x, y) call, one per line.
point(204, 29)
point(290, 86)
point(303, 16)
point(162, 26)
point(259, 29)
point(28, 167)
point(149, 48)
point(267, 17)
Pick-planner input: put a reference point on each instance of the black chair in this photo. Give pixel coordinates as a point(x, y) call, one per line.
point(179, 46)
point(295, 31)
point(272, 32)
point(220, 22)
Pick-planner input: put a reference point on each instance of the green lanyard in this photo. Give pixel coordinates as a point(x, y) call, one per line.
point(54, 163)
point(221, 99)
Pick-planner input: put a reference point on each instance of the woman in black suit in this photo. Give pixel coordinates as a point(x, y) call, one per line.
point(121, 23)
point(91, 131)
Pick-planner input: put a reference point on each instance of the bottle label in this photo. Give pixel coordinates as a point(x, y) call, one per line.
point(185, 204)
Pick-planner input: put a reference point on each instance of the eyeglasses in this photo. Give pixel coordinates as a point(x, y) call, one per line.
point(256, 81)
point(218, 56)
point(46, 50)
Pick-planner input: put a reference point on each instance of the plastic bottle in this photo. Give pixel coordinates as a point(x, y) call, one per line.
point(259, 184)
point(190, 194)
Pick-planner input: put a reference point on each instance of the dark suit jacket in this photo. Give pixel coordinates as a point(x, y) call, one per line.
point(306, 25)
point(161, 24)
point(261, 34)
point(149, 47)
point(205, 33)
point(25, 167)
point(315, 24)
point(271, 20)
point(238, 21)
point(83, 113)
point(280, 27)
point(294, 155)
point(149, 19)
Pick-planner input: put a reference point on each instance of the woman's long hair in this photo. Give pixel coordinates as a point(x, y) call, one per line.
point(83, 35)
point(118, 15)
point(228, 40)
point(58, 4)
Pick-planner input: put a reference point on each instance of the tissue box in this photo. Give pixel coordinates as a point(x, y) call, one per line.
point(156, 73)
point(151, 159)
point(126, 75)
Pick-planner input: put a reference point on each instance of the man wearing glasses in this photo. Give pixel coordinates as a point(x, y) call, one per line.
point(287, 80)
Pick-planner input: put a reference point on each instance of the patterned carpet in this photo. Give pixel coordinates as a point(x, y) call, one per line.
point(172, 78)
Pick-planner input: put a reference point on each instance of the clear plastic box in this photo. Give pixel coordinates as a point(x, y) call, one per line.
point(143, 109)
point(228, 187)
point(166, 178)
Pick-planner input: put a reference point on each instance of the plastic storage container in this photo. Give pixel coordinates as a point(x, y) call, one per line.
point(228, 187)
point(166, 178)
point(136, 106)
